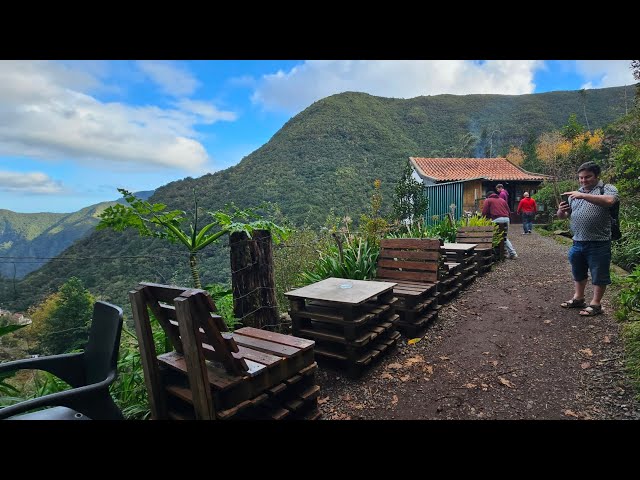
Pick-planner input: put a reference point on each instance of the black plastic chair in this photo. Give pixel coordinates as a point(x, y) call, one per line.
point(89, 373)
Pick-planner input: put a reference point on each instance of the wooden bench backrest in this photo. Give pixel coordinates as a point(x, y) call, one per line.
point(483, 236)
point(185, 314)
point(409, 259)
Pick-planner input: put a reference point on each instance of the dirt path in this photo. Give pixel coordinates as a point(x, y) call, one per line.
point(503, 349)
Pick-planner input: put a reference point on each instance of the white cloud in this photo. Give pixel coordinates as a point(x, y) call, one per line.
point(207, 112)
point(302, 85)
point(29, 183)
point(170, 78)
point(605, 73)
point(44, 113)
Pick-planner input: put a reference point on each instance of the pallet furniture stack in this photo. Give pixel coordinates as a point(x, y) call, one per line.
point(413, 263)
point(462, 257)
point(351, 321)
point(483, 238)
point(211, 373)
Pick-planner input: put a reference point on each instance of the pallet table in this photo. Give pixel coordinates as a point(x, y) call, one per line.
point(464, 254)
point(351, 321)
point(482, 236)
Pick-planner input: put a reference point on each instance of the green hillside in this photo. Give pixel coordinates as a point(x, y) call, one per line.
point(43, 235)
point(324, 158)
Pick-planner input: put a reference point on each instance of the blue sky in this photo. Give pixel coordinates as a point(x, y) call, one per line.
point(72, 132)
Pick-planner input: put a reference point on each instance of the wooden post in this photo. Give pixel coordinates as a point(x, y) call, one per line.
point(252, 279)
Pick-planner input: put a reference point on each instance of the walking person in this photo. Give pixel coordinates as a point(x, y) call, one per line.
point(528, 208)
point(588, 208)
point(497, 210)
point(502, 193)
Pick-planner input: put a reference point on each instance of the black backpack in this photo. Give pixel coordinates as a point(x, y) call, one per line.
point(614, 212)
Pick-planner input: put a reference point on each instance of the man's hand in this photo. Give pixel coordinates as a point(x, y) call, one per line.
point(564, 209)
point(575, 194)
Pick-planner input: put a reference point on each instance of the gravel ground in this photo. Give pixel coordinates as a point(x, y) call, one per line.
point(503, 349)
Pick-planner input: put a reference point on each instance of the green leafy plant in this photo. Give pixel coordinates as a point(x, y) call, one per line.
point(152, 220)
point(357, 261)
point(546, 195)
point(65, 327)
point(222, 296)
point(372, 225)
point(410, 201)
point(8, 393)
point(629, 296)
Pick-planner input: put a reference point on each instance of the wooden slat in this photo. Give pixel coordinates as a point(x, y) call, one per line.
point(461, 239)
point(476, 229)
point(152, 379)
point(412, 243)
point(194, 360)
point(301, 343)
point(165, 293)
point(327, 314)
point(266, 346)
point(217, 377)
point(161, 316)
point(488, 233)
point(398, 275)
point(409, 254)
point(223, 346)
point(422, 266)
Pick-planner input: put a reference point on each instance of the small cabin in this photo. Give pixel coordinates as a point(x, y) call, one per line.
point(464, 182)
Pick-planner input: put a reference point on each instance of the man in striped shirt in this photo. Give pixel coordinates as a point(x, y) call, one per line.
point(588, 208)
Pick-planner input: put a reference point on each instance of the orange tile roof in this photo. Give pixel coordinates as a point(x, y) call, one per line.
point(450, 169)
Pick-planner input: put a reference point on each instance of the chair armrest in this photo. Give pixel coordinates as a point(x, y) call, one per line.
point(74, 398)
point(67, 366)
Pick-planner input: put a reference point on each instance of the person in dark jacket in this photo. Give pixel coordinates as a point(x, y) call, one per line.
point(502, 192)
point(528, 208)
point(497, 210)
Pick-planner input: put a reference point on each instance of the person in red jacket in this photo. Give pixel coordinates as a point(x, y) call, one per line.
point(497, 210)
point(528, 208)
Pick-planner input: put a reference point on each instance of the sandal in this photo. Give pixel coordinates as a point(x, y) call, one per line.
point(574, 303)
point(591, 310)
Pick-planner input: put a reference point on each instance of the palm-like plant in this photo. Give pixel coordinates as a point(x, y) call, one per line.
point(357, 261)
point(152, 220)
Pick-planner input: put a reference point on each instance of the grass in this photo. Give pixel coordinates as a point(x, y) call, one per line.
point(631, 338)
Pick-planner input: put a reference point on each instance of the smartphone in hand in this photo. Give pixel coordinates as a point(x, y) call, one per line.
point(565, 198)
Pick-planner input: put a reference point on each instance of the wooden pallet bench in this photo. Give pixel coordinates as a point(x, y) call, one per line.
point(482, 236)
point(211, 373)
point(413, 263)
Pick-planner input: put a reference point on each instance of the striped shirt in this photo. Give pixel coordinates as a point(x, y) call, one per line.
point(589, 222)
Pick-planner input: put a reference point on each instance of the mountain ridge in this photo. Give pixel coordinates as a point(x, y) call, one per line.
point(34, 238)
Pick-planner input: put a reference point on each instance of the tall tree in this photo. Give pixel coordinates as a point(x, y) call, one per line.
point(583, 94)
point(549, 151)
point(573, 128)
point(65, 326)
point(516, 156)
point(410, 202)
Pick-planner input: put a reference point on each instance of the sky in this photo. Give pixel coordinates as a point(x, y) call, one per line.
point(72, 132)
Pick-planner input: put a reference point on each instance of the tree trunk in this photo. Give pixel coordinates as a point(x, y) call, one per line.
point(252, 279)
point(193, 266)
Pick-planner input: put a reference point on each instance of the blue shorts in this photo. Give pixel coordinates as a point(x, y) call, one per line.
point(591, 256)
